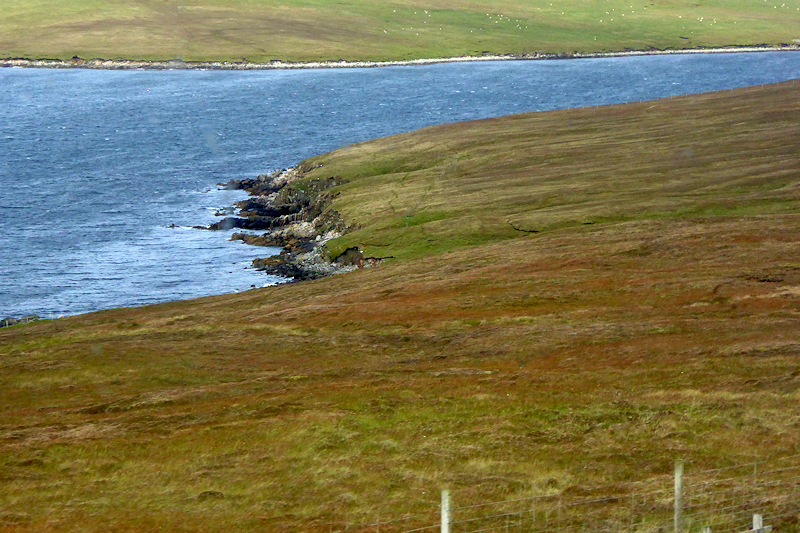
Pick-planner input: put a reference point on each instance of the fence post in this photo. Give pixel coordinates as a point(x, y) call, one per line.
point(758, 524)
point(679, 496)
point(633, 507)
point(446, 518)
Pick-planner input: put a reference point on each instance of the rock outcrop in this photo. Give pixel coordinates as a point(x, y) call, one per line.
point(6, 322)
point(296, 216)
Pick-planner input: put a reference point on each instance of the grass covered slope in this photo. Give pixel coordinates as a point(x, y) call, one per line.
point(314, 30)
point(523, 364)
point(450, 186)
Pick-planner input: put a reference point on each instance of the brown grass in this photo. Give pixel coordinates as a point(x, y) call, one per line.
point(534, 364)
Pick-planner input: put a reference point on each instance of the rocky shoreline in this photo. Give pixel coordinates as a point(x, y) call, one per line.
point(8, 322)
point(295, 218)
point(178, 64)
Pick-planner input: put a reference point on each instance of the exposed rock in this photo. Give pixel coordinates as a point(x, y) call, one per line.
point(285, 265)
point(264, 183)
point(6, 322)
point(254, 240)
point(252, 223)
point(299, 230)
point(351, 257)
point(261, 206)
point(304, 262)
point(298, 219)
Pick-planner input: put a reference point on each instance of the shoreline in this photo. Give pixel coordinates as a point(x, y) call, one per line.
point(177, 64)
point(296, 219)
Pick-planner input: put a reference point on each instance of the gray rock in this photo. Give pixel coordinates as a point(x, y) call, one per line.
point(6, 322)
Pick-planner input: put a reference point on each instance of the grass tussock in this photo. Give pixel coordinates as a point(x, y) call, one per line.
point(496, 362)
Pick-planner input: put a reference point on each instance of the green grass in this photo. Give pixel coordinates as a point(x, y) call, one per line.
point(498, 363)
point(294, 30)
point(549, 171)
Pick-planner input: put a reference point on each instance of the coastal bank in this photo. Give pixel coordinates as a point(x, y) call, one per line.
point(178, 64)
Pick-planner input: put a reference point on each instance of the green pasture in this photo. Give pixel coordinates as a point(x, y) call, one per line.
point(313, 30)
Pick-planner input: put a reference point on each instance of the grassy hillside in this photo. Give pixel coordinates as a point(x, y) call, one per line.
point(654, 316)
point(311, 30)
point(446, 187)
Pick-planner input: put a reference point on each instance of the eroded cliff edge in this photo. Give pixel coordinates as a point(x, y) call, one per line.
point(293, 213)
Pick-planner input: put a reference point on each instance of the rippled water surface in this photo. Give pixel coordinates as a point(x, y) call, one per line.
point(96, 166)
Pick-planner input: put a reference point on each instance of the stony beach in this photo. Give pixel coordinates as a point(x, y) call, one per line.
point(177, 64)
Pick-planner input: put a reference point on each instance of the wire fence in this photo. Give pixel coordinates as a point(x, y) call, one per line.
point(732, 499)
point(725, 499)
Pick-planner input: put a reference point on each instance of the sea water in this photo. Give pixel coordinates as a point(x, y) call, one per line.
point(104, 173)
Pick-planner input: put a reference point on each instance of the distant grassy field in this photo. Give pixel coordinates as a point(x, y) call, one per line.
point(313, 30)
point(655, 315)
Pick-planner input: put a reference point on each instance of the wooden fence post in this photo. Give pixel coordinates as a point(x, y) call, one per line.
point(678, 496)
point(446, 518)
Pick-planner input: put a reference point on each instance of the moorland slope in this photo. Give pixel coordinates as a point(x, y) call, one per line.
point(576, 298)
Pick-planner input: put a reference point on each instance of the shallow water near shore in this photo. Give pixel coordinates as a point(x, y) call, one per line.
point(103, 173)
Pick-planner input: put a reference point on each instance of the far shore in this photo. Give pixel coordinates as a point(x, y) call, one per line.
point(178, 64)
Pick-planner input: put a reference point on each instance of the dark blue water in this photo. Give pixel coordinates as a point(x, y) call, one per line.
point(95, 166)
